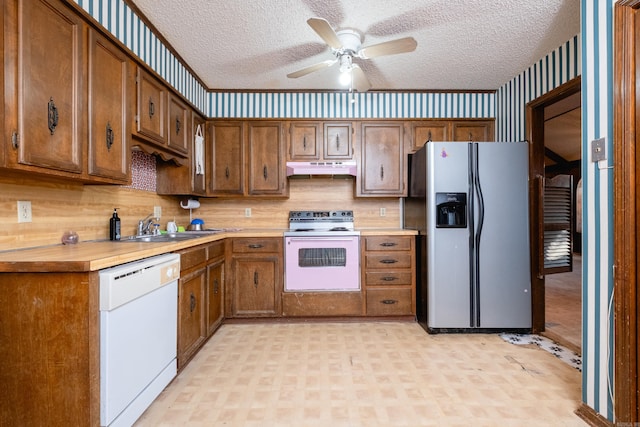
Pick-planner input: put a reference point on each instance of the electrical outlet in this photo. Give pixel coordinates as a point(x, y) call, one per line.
point(24, 211)
point(157, 212)
point(383, 211)
point(247, 212)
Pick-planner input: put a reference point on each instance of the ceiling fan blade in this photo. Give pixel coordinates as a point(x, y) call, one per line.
point(360, 81)
point(311, 69)
point(407, 44)
point(324, 30)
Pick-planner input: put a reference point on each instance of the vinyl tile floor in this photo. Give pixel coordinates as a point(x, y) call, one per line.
point(357, 374)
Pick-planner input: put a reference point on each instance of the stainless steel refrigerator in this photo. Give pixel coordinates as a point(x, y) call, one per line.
point(470, 205)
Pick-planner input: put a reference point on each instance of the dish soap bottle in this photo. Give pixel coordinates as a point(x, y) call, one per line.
point(114, 226)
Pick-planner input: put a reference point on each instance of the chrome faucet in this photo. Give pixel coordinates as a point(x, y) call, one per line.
point(144, 225)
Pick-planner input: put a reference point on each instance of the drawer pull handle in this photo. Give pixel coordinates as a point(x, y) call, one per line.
point(388, 261)
point(255, 279)
point(216, 286)
point(255, 246)
point(389, 278)
point(388, 244)
point(109, 136)
point(389, 301)
point(152, 108)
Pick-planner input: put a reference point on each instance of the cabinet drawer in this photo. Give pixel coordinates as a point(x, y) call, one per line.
point(192, 257)
point(216, 250)
point(393, 260)
point(257, 245)
point(389, 302)
point(388, 278)
point(387, 243)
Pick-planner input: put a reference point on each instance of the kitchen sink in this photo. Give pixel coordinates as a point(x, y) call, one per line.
point(170, 237)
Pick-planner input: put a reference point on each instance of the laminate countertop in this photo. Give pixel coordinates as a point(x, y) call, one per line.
point(96, 255)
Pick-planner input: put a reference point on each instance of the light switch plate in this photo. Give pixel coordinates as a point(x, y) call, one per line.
point(598, 150)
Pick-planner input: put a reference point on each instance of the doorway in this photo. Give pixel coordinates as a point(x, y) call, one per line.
point(549, 121)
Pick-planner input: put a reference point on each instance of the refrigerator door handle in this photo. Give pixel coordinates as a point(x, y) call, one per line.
point(478, 232)
point(472, 241)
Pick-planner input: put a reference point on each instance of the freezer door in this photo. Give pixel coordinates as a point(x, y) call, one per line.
point(448, 295)
point(503, 254)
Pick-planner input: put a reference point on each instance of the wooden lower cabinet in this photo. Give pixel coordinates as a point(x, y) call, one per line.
point(256, 278)
point(388, 271)
point(191, 310)
point(50, 346)
point(200, 291)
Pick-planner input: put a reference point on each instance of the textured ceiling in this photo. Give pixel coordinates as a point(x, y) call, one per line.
point(464, 44)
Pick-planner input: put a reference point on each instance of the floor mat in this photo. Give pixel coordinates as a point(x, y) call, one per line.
point(572, 359)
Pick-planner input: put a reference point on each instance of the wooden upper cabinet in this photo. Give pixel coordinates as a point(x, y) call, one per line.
point(190, 178)
point(305, 141)
point(109, 100)
point(179, 121)
point(151, 113)
point(338, 143)
point(473, 131)
point(381, 168)
point(226, 158)
point(424, 131)
point(267, 174)
point(51, 85)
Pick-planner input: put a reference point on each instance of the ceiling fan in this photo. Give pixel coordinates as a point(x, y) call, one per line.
point(345, 46)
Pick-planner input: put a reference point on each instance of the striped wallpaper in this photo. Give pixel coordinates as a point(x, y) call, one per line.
point(357, 105)
point(597, 252)
point(589, 54)
point(555, 69)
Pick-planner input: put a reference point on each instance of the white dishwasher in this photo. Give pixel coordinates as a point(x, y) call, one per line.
point(138, 336)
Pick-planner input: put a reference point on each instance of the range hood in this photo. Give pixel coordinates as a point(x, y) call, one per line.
point(322, 168)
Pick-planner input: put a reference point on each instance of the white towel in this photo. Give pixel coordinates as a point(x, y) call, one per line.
point(199, 163)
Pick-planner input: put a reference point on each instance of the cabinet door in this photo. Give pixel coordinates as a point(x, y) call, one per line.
point(382, 160)
point(51, 85)
point(256, 289)
point(266, 154)
point(151, 108)
point(305, 141)
point(178, 125)
point(109, 94)
point(422, 132)
point(337, 141)
point(226, 158)
point(191, 310)
point(215, 278)
point(474, 131)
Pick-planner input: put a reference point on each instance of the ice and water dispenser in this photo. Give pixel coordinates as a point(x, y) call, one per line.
point(451, 210)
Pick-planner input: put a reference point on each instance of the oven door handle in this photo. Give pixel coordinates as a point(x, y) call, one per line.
point(323, 238)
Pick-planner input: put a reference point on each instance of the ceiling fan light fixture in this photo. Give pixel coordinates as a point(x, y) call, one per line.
point(345, 78)
point(346, 63)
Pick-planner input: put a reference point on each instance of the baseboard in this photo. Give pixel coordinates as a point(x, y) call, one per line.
point(591, 417)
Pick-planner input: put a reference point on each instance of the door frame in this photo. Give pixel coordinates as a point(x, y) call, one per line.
point(626, 220)
point(534, 131)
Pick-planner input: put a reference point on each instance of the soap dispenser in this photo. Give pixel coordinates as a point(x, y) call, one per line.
point(114, 226)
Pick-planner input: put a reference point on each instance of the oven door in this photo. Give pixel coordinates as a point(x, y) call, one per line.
point(327, 263)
